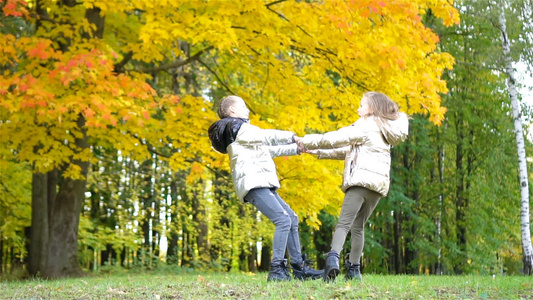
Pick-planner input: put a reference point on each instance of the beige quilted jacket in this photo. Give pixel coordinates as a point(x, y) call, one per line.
point(365, 148)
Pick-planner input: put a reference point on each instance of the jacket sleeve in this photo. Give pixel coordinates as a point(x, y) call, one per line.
point(336, 139)
point(339, 153)
point(283, 150)
point(277, 137)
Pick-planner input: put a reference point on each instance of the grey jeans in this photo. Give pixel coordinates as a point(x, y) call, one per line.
point(358, 205)
point(286, 236)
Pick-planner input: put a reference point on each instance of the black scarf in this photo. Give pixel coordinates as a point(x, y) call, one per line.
point(224, 132)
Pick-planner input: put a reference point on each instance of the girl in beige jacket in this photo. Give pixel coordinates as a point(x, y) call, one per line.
point(365, 147)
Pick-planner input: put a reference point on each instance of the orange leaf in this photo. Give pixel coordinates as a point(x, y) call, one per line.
point(89, 113)
point(11, 9)
point(52, 74)
point(39, 51)
point(31, 80)
point(71, 63)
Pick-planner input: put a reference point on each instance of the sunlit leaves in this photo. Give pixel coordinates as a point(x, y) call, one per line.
point(15, 8)
point(300, 65)
point(371, 45)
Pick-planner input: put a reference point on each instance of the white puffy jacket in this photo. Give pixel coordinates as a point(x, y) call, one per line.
point(365, 148)
point(251, 157)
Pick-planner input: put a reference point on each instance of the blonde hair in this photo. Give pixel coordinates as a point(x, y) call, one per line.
point(225, 104)
point(382, 106)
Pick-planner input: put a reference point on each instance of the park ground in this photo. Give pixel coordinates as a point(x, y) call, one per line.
point(194, 285)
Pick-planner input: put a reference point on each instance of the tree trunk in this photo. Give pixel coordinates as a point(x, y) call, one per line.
point(172, 249)
point(223, 193)
point(252, 258)
point(200, 222)
point(39, 224)
point(439, 270)
point(460, 199)
point(396, 247)
point(146, 206)
point(55, 220)
point(62, 258)
point(527, 248)
point(1, 254)
point(187, 253)
point(265, 257)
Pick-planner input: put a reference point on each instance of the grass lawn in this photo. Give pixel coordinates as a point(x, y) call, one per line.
point(255, 286)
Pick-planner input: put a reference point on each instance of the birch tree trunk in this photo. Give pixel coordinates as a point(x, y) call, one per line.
point(439, 270)
point(520, 145)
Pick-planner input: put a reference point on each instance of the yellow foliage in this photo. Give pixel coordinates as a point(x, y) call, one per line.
point(299, 65)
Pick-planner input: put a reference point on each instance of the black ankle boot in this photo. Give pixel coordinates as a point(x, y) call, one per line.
point(353, 271)
point(279, 272)
point(332, 268)
point(303, 271)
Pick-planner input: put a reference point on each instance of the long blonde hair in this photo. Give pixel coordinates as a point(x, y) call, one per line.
point(382, 106)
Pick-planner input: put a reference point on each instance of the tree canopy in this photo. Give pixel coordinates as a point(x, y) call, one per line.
point(300, 65)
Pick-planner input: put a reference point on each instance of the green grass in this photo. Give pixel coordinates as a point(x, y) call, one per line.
point(255, 286)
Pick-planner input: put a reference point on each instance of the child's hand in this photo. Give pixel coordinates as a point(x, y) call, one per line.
point(298, 141)
point(314, 152)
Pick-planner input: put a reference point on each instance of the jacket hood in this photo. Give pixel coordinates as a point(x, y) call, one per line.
point(396, 131)
point(224, 132)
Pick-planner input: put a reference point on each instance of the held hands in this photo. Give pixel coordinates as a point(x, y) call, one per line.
point(298, 140)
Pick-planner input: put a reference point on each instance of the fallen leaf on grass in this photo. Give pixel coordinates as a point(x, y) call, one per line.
point(116, 291)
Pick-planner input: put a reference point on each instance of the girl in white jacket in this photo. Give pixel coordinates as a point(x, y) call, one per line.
point(365, 146)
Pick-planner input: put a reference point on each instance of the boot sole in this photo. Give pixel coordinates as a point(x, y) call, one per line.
point(278, 279)
point(331, 275)
point(308, 277)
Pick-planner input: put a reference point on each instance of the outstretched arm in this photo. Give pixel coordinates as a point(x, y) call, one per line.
point(334, 139)
point(339, 153)
point(277, 137)
point(283, 150)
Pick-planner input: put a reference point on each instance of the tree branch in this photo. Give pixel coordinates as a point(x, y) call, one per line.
point(176, 64)
point(221, 81)
point(274, 3)
point(119, 67)
point(216, 75)
point(283, 17)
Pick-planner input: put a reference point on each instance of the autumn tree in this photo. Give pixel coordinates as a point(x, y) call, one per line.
point(92, 74)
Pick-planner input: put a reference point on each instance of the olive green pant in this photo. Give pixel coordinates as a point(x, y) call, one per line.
point(358, 205)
